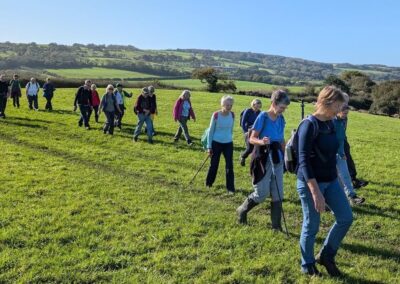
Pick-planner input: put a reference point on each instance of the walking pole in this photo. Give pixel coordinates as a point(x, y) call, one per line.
point(201, 167)
point(302, 109)
point(279, 195)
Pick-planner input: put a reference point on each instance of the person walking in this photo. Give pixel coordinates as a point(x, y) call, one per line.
point(32, 92)
point(268, 136)
point(317, 183)
point(95, 103)
point(341, 158)
point(119, 95)
point(109, 105)
point(182, 112)
point(16, 93)
point(142, 110)
point(48, 93)
point(83, 100)
point(153, 106)
point(220, 141)
point(248, 119)
point(4, 94)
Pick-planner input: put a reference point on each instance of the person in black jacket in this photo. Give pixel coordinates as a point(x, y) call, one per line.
point(142, 109)
point(83, 100)
point(4, 93)
point(48, 93)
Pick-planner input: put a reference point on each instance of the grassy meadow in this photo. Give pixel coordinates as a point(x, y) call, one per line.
point(97, 72)
point(81, 206)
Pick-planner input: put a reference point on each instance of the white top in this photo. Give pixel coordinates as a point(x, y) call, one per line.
point(32, 89)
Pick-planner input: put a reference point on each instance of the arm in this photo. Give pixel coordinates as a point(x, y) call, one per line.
point(255, 134)
point(243, 122)
point(211, 134)
point(306, 142)
point(191, 113)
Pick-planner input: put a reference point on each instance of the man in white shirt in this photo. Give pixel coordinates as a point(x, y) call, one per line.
point(32, 91)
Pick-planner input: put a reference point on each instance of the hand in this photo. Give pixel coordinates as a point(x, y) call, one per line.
point(210, 152)
point(319, 202)
point(265, 141)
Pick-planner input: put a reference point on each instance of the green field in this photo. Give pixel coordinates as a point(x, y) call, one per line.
point(80, 206)
point(195, 84)
point(98, 73)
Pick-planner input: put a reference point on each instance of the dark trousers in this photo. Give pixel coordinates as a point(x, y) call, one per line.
point(33, 100)
point(49, 106)
point(249, 147)
point(84, 119)
point(96, 113)
point(15, 96)
point(119, 116)
point(183, 128)
point(3, 104)
point(350, 163)
point(227, 150)
point(109, 124)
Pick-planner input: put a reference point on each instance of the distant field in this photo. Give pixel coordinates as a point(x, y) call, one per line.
point(195, 84)
point(98, 73)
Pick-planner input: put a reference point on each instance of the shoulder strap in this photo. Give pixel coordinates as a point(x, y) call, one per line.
point(233, 114)
point(314, 121)
point(216, 115)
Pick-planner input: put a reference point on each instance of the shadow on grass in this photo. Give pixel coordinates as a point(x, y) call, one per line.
point(21, 124)
point(26, 119)
point(373, 210)
point(372, 251)
point(351, 279)
point(64, 111)
point(382, 186)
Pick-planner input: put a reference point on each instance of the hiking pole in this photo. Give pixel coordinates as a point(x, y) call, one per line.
point(277, 188)
point(201, 167)
point(302, 109)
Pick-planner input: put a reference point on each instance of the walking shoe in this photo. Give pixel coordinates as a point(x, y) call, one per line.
point(355, 200)
point(135, 138)
point(190, 143)
point(310, 269)
point(87, 128)
point(329, 264)
point(357, 183)
point(151, 141)
point(242, 161)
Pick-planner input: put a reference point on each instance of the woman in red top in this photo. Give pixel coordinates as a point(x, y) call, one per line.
point(95, 103)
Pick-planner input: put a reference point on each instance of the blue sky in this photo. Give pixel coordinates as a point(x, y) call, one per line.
point(353, 31)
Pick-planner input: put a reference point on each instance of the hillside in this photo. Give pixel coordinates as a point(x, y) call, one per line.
point(80, 206)
point(247, 66)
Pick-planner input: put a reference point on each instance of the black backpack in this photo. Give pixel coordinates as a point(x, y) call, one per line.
point(291, 149)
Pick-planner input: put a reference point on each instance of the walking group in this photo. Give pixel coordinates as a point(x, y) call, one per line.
point(325, 170)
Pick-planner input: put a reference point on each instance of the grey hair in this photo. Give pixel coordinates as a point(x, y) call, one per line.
point(255, 101)
point(280, 97)
point(109, 87)
point(184, 94)
point(226, 98)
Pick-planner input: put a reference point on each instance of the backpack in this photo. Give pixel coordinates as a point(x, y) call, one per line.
point(206, 133)
point(291, 148)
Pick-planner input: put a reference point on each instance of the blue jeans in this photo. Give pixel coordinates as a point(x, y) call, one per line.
point(149, 125)
point(344, 176)
point(84, 109)
point(337, 201)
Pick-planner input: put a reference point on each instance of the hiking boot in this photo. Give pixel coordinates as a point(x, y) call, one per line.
point(190, 143)
point(356, 200)
point(80, 124)
point(310, 269)
point(243, 209)
point(151, 141)
point(242, 161)
point(276, 213)
point(357, 183)
point(329, 264)
point(135, 138)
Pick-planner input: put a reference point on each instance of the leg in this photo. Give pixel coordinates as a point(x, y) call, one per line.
point(35, 102)
point(183, 123)
point(277, 197)
point(213, 169)
point(263, 187)
point(96, 113)
point(138, 129)
point(107, 122)
point(249, 148)
point(149, 128)
point(229, 174)
point(344, 176)
point(30, 101)
point(178, 132)
point(111, 116)
point(311, 221)
point(350, 162)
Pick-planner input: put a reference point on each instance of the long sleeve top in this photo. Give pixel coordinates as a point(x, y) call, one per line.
point(83, 96)
point(340, 127)
point(248, 119)
point(311, 165)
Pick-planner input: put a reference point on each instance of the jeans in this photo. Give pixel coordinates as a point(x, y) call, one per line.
point(3, 104)
point(119, 116)
point(344, 176)
point(338, 203)
point(48, 103)
point(33, 100)
point(84, 109)
point(96, 113)
point(350, 163)
point(249, 146)
point(109, 123)
point(227, 150)
point(183, 127)
point(149, 125)
point(267, 186)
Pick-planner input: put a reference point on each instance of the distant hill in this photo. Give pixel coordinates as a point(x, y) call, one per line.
point(178, 63)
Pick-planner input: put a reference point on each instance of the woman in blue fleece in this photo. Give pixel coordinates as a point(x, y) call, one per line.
point(317, 183)
point(220, 142)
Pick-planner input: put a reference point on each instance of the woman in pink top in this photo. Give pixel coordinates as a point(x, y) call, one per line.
point(183, 111)
point(95, 103)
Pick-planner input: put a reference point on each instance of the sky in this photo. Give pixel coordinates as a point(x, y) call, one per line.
point(351, 31)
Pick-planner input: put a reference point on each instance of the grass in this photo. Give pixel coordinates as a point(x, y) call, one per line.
point(80, 206)
point(195, 84)
point(98, 73)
